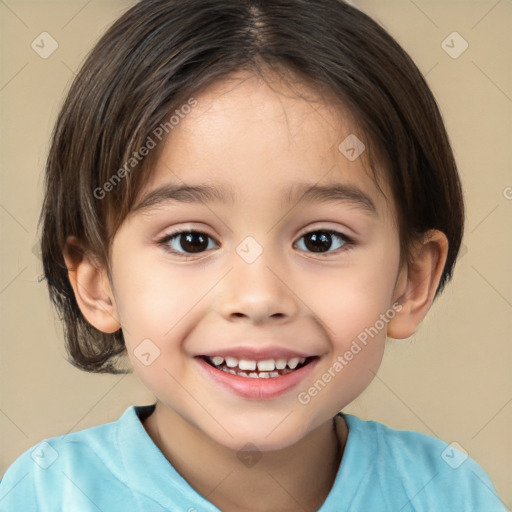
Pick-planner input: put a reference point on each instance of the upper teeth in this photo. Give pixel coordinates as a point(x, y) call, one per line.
point(266, 365)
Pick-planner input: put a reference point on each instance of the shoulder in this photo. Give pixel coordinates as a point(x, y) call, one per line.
point(45, 472)
point(433, 475)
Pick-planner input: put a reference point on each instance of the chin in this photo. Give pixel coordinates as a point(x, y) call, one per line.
point(265, 435)
point(257, 441)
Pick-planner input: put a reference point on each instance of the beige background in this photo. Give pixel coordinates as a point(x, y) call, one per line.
point(452, 379)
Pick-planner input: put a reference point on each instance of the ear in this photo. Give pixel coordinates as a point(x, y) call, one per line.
point(417, 283)
point(91, 286)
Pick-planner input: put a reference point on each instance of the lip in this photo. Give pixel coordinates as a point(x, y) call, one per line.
point(253, 388)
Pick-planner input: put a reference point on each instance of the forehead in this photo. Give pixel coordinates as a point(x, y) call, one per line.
point(247, 139)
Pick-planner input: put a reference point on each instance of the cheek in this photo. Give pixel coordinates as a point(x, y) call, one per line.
point(158, 308)
point(354, 306)
point(352, 298)
point(357, 342)
point(154, 300)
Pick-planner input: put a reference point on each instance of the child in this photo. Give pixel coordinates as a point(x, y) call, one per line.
point(246, 197)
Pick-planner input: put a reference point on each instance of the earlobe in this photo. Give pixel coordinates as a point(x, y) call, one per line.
point(417, 284)
point(91, 286)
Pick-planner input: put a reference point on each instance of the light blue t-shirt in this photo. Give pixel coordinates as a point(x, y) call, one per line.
point(117, 467)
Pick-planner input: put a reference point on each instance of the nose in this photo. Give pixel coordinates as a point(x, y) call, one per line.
point(257, 292)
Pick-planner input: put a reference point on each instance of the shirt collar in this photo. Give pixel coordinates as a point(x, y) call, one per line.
point(149, 473)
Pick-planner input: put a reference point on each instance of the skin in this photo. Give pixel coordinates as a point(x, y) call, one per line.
point(261, 141)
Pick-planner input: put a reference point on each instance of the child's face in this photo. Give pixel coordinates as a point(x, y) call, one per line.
point(290, 301)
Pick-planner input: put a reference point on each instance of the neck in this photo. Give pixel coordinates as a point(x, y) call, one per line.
point(297, 477)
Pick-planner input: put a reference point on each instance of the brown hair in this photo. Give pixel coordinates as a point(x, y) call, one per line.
point(161, 52)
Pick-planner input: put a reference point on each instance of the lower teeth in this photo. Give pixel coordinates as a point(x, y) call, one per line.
point(254, 375)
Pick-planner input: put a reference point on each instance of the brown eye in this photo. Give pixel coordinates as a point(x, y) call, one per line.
point(187, 242)
point(322, 241)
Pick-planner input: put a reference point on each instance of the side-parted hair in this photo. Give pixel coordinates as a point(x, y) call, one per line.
point(161, 53)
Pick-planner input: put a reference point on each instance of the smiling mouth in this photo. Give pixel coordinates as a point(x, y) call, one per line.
point(263, 369)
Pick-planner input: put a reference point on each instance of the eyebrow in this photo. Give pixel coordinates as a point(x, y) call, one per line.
point(298, 193)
